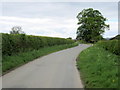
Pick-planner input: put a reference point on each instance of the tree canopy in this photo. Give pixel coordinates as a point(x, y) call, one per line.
point(16, 30)
point(91, 25)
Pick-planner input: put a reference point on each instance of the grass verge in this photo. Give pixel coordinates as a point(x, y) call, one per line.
point(11, 62)
point(98, 68)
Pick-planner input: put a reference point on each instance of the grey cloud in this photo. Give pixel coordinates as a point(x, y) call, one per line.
point(58, 11)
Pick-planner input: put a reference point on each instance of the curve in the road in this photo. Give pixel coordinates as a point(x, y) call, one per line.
point(56, 70)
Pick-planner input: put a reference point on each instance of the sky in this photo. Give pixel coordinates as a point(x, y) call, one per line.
point(54, 19)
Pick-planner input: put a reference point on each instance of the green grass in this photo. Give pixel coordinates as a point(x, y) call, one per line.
point(11, 62)
point(98, 68)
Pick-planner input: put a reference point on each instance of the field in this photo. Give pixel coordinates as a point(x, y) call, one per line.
point(99, 66)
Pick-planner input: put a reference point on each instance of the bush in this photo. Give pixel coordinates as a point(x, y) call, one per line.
point(15, 43)
point(110, 45)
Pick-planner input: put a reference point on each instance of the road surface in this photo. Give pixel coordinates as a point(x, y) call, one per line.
point(56, 70)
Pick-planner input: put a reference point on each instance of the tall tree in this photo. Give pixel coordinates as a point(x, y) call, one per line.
point(91, 25)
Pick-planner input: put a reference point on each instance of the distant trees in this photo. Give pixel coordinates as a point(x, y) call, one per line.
point(91, 25)
point(16, 30)
point(69, 38)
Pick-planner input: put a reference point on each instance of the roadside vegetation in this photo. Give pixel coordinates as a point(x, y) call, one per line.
point(16, 43)
point(18, 49)
point(111, 45)
point(99, 65)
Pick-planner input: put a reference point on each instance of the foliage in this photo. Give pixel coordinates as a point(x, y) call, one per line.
point(82, 41)
point(98, 68)
point(92, 25)
point(10, 62)
point(110, 45)
point(69, 38)
point(15, 43)
point(16, 30)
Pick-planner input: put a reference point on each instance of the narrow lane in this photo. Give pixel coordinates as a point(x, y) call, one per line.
point(56, 70)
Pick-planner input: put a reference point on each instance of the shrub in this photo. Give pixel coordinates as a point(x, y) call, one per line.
point(15, 43)
point(110, 45)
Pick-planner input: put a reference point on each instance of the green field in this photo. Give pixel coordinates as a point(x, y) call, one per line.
point(98, 68)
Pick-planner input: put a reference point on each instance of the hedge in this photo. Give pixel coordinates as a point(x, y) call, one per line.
point(16, 43)
point(110, 45)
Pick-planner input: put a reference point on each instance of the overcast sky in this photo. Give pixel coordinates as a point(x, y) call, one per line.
point(55, 19)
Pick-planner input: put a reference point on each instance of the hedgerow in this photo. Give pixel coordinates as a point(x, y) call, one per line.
point(14, 61)
point(110, 45)
point(15, 43)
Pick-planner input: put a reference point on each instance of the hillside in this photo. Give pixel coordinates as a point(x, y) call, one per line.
point(116, 37)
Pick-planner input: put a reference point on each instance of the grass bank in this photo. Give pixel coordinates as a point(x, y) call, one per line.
point(98, 68)
point(11, 62)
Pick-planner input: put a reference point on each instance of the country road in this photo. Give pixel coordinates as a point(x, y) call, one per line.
point(56, 70)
